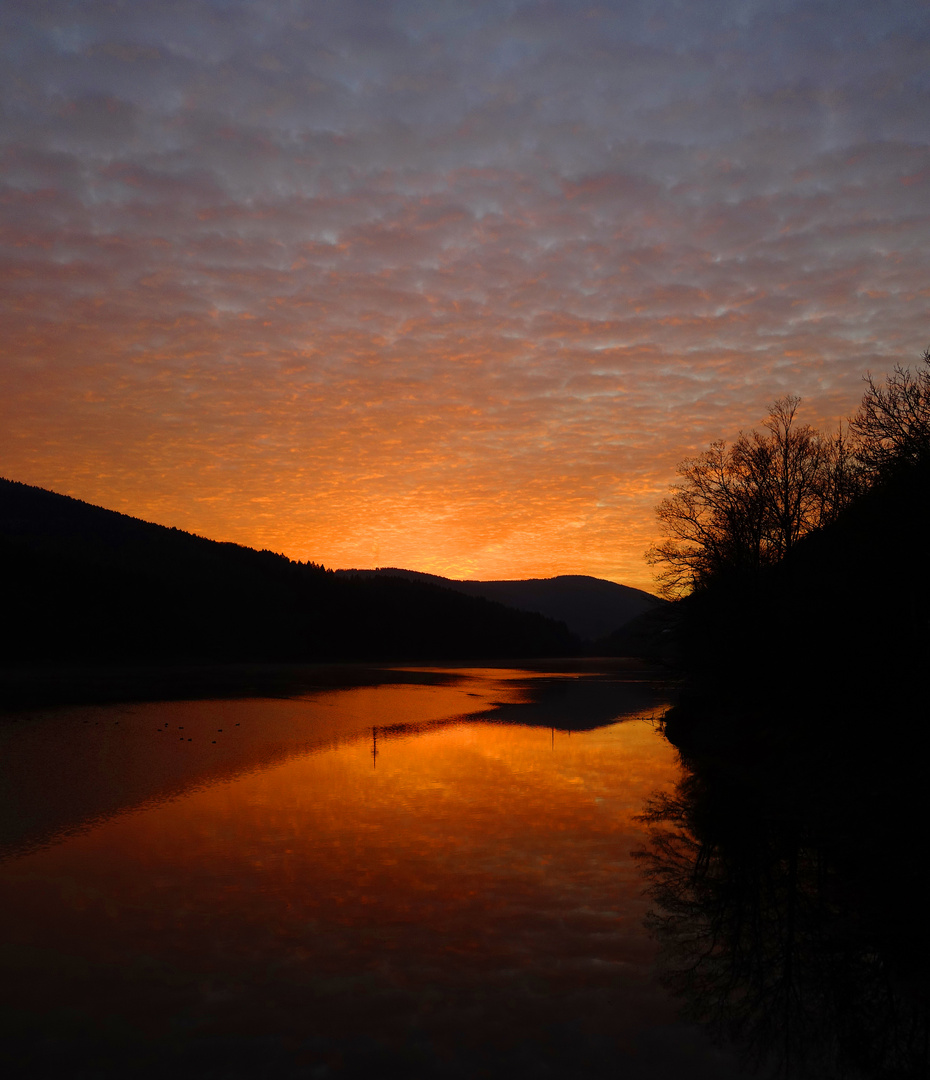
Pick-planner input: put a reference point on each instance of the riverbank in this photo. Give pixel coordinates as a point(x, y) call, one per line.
point(26, 686)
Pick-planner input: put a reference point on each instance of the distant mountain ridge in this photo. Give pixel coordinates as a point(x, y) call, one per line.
point(82, 584)
point(592, 608)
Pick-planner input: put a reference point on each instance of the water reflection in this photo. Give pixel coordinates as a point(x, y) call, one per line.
point(787, 903)
point(63, 770)
point(468, 907)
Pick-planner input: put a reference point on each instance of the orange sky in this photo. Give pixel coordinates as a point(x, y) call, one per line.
point(450, 288)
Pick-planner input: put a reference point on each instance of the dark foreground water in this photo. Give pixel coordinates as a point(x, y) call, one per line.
point(418, 879)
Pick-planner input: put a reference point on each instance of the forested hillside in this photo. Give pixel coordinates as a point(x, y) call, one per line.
point(804, 558)
point(85, 584)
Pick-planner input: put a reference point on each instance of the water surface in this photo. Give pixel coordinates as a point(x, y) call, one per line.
point(401, 879)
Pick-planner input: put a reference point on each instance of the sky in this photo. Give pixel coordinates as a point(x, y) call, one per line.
point(443, 285)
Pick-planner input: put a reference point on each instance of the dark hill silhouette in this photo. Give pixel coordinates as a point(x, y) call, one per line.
point(839, 628)
point(833, 622)
point(653, 635)
point(590, 607)
point(86, 585)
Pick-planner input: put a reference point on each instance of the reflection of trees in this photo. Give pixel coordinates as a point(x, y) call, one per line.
point(777, 923)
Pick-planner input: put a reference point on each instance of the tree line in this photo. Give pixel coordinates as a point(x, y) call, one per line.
point(803, 638)
point(739, 508)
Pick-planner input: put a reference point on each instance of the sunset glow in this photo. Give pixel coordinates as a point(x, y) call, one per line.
point(446, 286)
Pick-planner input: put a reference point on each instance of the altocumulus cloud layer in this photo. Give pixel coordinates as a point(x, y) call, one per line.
point(446, 285)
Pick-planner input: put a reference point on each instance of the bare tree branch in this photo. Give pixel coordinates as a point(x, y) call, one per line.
point(739, 508)
point(893, 423)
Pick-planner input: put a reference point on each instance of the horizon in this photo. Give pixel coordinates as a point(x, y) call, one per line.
point(455, 287)
point(335, 569)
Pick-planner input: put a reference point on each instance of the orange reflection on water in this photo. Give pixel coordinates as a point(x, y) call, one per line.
point(466, 886)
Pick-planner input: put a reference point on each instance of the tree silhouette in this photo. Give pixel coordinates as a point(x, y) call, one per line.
point(893, 423)
point(738, 508)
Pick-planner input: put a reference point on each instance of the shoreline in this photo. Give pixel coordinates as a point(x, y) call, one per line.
point(32, 686)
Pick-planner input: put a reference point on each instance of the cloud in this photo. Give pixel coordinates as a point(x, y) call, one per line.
point(457, 284)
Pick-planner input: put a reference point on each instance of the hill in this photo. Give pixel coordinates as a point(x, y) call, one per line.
point(590, 607)
point(83, 584)
point(834, 637)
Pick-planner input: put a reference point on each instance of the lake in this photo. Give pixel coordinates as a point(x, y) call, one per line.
point(424, 874)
